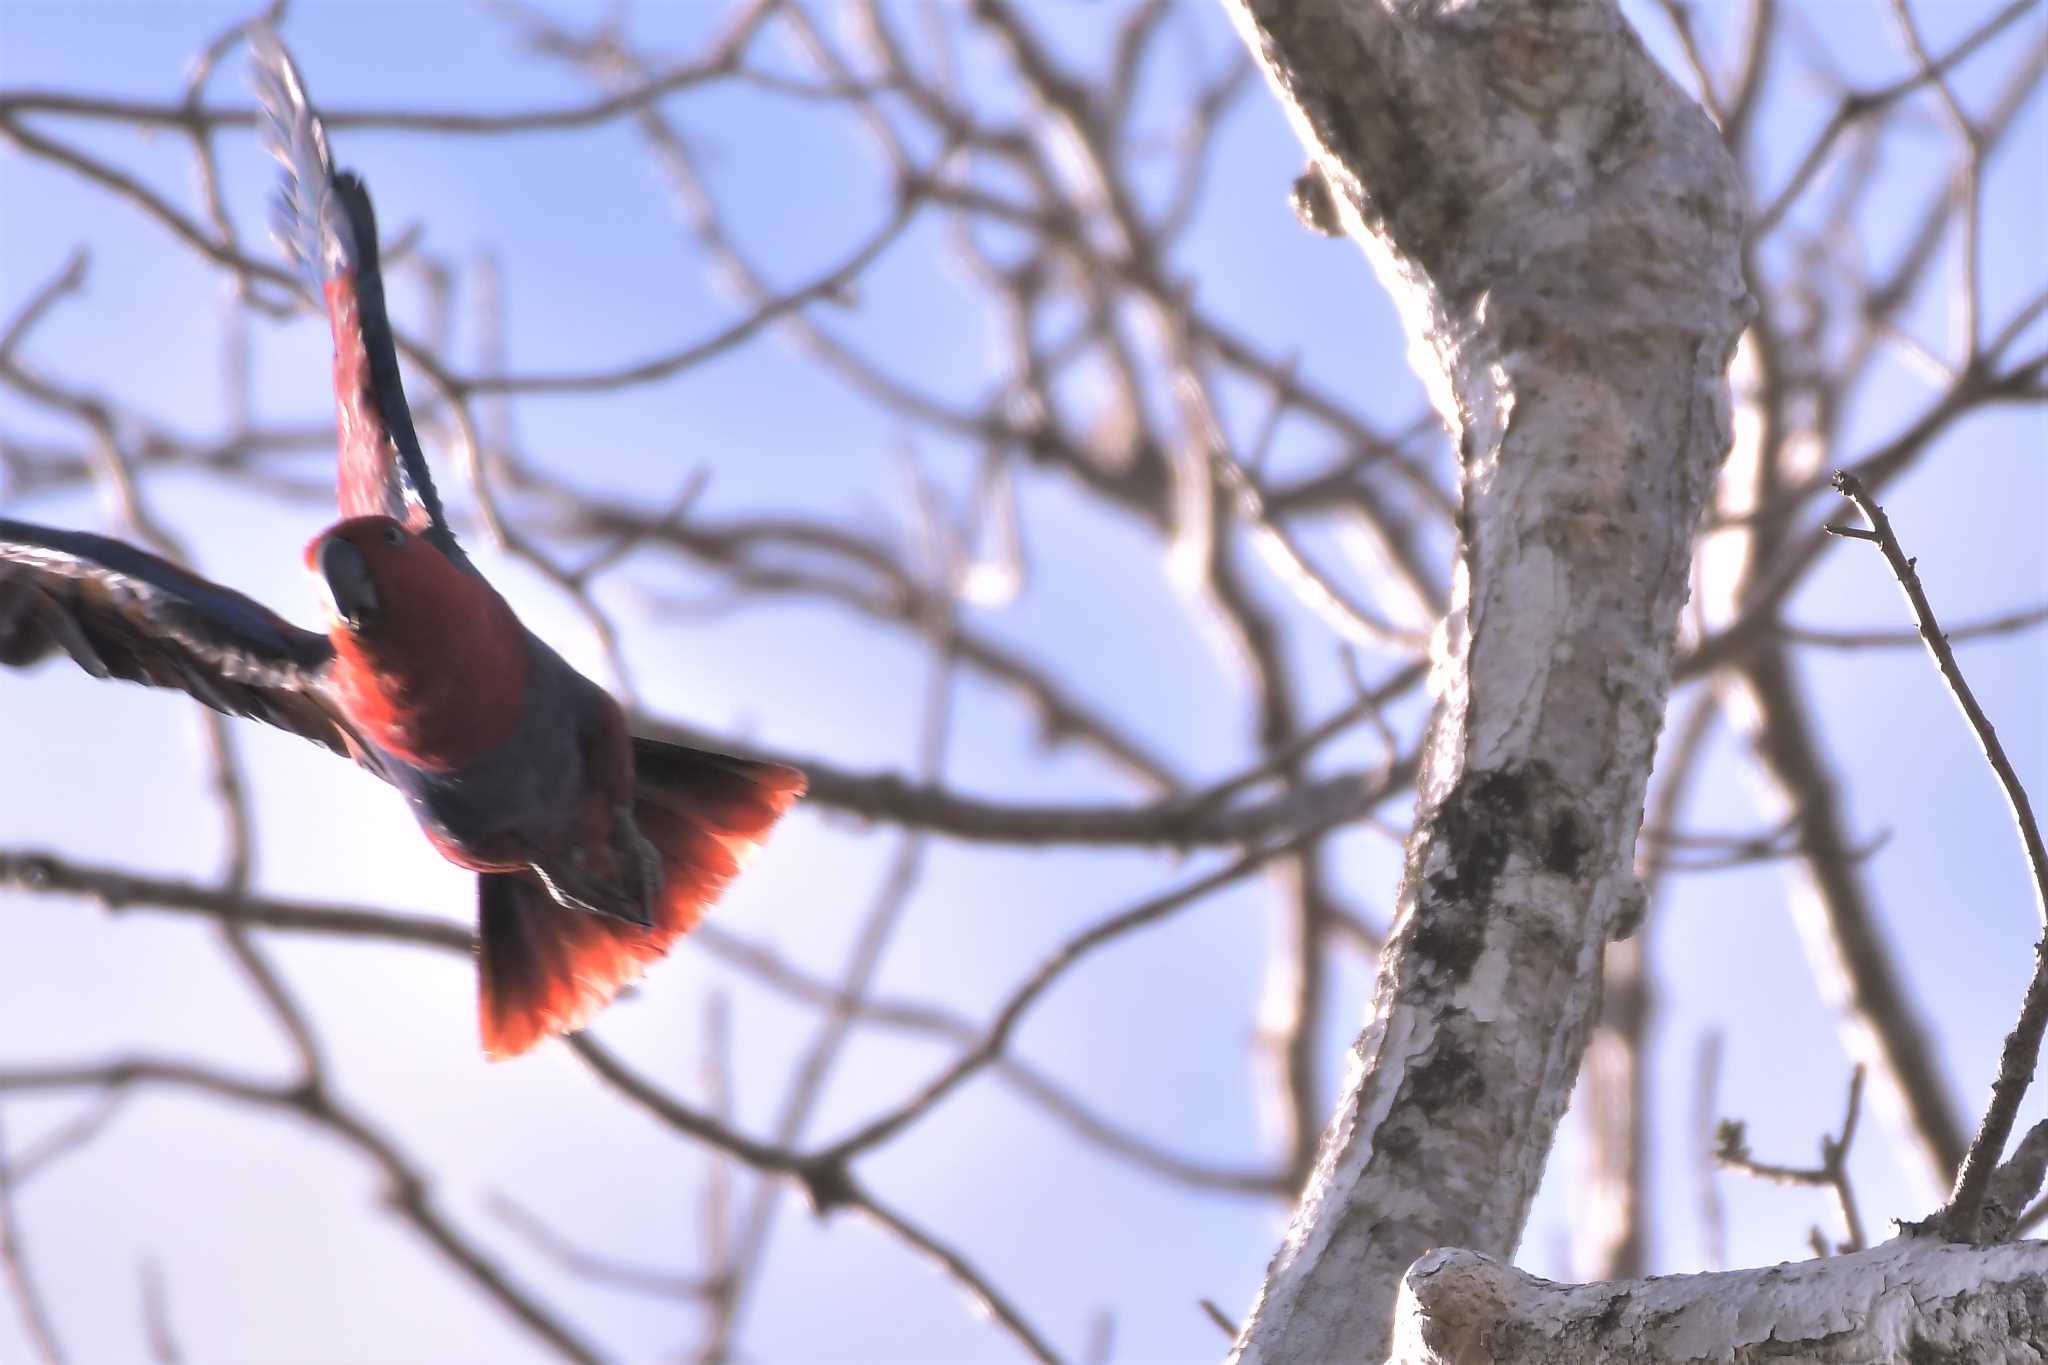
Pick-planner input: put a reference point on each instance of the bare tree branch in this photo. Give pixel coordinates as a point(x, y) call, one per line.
point(2022, 1049)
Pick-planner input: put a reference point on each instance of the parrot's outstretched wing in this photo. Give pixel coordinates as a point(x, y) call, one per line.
point(546, 969)
point(324, 223)
point(121, 612)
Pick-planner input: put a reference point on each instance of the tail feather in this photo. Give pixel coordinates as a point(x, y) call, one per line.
point(543, 968)
point(739, 798)
point(546, 969)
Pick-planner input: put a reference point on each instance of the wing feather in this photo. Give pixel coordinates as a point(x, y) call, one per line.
point(121, 612)
point(323, 221)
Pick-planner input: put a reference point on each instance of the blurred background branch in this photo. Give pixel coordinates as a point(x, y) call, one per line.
point(945, 398)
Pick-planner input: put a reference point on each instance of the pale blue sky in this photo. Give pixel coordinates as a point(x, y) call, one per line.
point(270, 1243)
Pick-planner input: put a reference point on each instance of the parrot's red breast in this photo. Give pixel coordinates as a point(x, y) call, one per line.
point(438, 678)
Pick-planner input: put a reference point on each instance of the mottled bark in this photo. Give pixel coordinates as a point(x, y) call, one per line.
point(1560, 227)
point(1910, 1299)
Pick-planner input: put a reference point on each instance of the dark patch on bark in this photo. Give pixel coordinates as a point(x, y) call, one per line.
point(1396, 1141)
point(1472, 834)
point(1921, 1351)
point(1447, 1078)
point(1484, 821)
point(1454, 211)
point(2023, 1305)
point(1620, 143)
point(1567, 845)
point(1610, 1315)
point(1453, 943)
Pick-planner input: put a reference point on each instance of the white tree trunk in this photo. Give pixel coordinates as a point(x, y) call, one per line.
point(1910, 1299)
point(1560, 226)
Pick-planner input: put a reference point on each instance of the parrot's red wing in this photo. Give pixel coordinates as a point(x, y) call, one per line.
point(121, 612)
point(324, 222)
point(382, 470)
point(548, 969)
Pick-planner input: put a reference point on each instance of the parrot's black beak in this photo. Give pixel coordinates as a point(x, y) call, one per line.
point(346, 575)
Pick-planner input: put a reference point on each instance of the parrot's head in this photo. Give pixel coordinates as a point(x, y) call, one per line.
point(340, 558)
point(431, 661)
point(384, 584)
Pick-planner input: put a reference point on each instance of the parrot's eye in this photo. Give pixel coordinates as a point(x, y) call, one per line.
point(394, 535)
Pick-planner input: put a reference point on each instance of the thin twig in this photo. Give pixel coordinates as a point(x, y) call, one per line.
point(2022, 1050)
point(1864, 104)
point(1993, 627)
point(1732, 1151)
point(156, 1315)
point(814, 1069)
point(121, 891)
point(962, 1272)
point(997, 1036)
point(589, 1265)
point(406, 1189)
point(1706, 1106)
point(20, 1281)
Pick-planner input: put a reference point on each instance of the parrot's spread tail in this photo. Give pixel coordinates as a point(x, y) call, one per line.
point(547, 969)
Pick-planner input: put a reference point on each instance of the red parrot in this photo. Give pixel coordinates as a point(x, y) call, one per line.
point(596, 849)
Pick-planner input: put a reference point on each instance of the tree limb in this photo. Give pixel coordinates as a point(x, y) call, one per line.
point(1560, 227)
